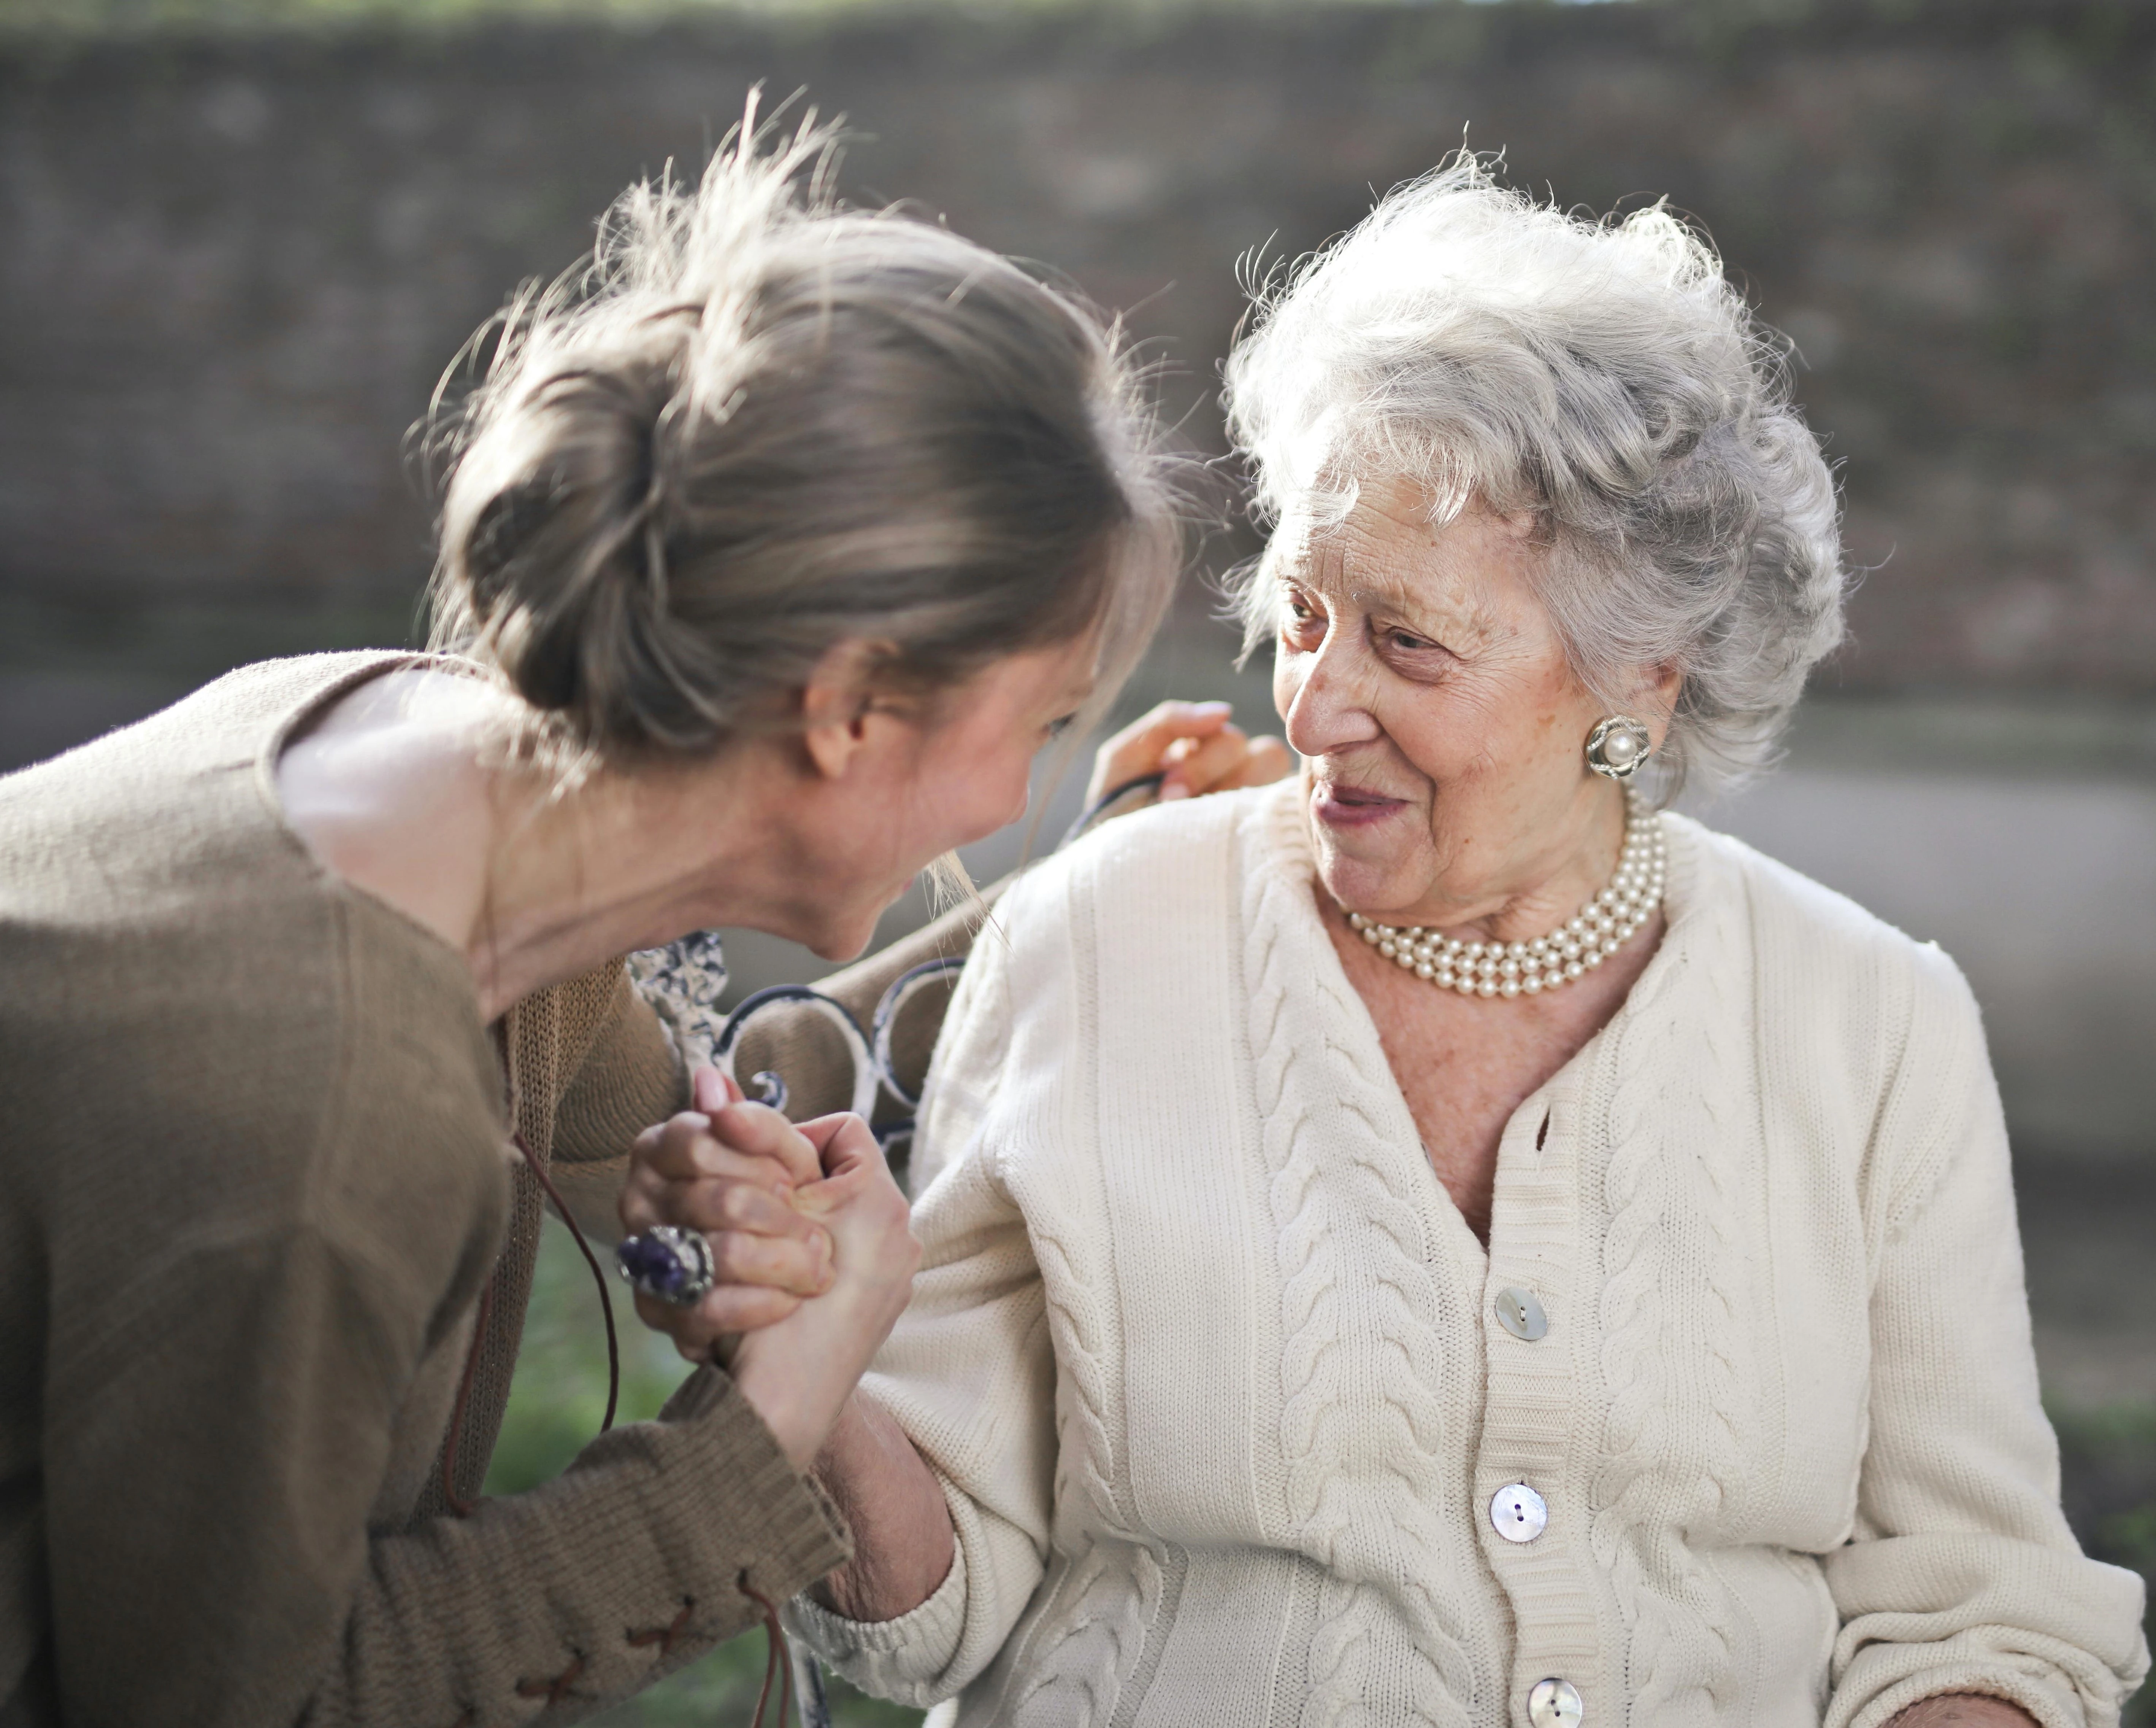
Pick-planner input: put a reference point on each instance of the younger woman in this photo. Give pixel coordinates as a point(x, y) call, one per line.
point(774, 547)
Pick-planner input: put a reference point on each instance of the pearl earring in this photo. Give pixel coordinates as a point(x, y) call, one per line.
point(1617, 746)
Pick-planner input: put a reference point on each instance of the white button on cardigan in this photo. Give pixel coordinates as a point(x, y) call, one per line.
point(1517, 1512)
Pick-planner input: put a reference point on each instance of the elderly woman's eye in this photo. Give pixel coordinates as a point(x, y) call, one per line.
point(1406, 642)
point(1299, 613)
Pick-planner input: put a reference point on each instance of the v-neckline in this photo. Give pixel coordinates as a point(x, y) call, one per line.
point(1296, 857)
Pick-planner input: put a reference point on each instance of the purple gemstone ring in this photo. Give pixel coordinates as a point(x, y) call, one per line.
point(671, 1265)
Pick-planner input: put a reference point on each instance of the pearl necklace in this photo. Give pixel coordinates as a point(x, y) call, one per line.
point(1602, 926)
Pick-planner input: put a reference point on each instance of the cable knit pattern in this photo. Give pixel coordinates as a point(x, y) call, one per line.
point(1113, 1586)
point(1210, 1368)
point(1308, 1062)
point(1667, 1177)
point(1109, 1592)
point(1113, 1590)
point(1084, 1455)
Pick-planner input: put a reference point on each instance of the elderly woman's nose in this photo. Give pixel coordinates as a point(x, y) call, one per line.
point(1331, 706)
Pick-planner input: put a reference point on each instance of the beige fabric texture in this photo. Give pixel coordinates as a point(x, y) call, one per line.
point(1210, 1366)
point(254, 1176)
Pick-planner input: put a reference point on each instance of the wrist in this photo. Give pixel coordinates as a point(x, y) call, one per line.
point(1962, 1709)
point(905, 1544)
point(850, 1432)
point(799, 1412)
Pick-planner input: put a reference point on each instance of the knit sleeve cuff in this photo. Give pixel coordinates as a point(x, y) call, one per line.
point(1875, 1691)
point(899, 1659)
point(799, 1534)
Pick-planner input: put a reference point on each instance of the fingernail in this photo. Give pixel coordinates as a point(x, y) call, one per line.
point(1173, 790)
point(1213, 707)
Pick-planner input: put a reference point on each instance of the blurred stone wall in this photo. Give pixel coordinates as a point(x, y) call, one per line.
point(231, 270)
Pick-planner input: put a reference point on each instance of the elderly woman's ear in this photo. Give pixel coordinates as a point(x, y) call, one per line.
point(1656, 701)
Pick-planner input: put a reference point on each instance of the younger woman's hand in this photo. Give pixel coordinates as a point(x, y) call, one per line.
point(1194, 746)
point(813, 1252)
point(734, 1171)
point(800, 1373)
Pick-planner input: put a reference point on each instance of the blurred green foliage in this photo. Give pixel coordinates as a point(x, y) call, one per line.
point(555, 1405)
point(2108, 1467)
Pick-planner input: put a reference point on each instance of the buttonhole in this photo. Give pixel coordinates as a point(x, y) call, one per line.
point(1542, 1134)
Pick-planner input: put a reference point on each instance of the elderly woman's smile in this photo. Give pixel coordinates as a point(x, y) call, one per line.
point(1439, 717)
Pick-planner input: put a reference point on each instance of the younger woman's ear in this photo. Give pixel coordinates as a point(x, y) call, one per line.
point(836, 703)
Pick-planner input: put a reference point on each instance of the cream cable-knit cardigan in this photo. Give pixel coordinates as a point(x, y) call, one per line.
point(1209, 1364)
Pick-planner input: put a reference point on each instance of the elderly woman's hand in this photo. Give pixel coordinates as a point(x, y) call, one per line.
point(1194, 746)
point(800, 1372)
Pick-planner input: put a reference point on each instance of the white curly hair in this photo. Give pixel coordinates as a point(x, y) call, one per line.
point(1604, 376)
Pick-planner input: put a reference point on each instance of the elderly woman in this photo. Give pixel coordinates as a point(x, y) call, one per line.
point(1439, 1241)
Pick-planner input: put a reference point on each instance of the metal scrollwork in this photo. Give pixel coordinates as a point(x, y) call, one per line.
point(1108, 804)
point(875, 1065)
point(808, 1689)
point(903, 991)
point(866, 1076)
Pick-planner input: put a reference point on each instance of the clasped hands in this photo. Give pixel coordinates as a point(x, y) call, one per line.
point(812, 1252)
point(810, 1242)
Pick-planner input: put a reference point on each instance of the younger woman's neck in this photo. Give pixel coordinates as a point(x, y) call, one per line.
point(575, 875)
point(403, 789)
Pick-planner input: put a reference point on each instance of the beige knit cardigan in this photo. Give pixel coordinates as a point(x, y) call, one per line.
point(1210, 1368)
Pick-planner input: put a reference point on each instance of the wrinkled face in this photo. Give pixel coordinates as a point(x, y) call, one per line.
point(928, 780)
point(1428, 693)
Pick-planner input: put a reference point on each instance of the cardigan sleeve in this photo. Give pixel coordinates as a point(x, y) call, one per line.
point(627, 1078)
point(629, 1565)
point(969, 1374)
point(1963, 1576)
point(208, 1492)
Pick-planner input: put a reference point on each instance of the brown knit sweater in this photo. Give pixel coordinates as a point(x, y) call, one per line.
point(254, 1178)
